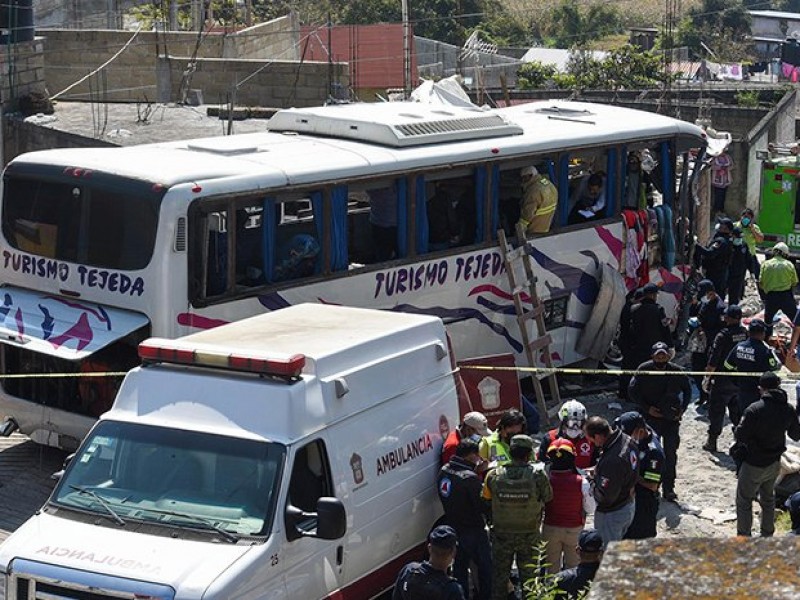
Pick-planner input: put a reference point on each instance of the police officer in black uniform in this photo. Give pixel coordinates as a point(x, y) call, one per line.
point(429, 580)
point(663, 399)
point(572, 582)
point(648, 325)
point(711, 311)
point(751, 356)
point(724, 391)
point(715, 258)
point(651, 470)
point(460, 492)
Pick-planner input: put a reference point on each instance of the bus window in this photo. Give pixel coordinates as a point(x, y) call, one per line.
point(528, 176)
point(451, 210)
point(297, 243)
point(103, 222)
point(641, 187)
point(250, 246)
point(590, 194)
point(383, 223)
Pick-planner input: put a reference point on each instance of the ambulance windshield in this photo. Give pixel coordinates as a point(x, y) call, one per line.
point(175, 478)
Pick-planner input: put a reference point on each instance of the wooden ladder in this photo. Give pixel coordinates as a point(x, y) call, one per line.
point(541, 343)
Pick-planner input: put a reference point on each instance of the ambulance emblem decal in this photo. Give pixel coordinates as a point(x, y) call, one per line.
point(358, 469)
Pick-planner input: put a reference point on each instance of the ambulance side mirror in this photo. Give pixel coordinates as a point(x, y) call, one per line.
point(59, 474)
point(328, 523)
point(331, 518)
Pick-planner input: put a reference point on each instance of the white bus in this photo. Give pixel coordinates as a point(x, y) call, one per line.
point(393, 206)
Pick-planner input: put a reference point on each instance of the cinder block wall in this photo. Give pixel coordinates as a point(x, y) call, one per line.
point(132, 76)
point(25, 62)
point(276, 39)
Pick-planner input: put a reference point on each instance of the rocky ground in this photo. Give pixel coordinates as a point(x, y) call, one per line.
point(706, 484)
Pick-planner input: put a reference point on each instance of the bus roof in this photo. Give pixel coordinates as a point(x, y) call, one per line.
point(278, 159)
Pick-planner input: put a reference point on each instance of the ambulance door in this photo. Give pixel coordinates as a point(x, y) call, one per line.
point(778, 199)
point(313, 566)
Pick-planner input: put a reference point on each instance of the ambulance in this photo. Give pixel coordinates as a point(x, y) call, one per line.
point(292, 455)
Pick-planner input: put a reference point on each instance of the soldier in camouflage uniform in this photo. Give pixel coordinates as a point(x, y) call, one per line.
point(518, 492)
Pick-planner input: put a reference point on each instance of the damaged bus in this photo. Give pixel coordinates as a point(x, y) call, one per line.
point(393, 206)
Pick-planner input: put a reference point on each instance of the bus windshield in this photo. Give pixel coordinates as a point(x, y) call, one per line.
point(97, 220)
point(175, 478)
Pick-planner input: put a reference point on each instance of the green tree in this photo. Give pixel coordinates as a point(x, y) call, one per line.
point(574, 23)
point(535, 75)
point(722, 25)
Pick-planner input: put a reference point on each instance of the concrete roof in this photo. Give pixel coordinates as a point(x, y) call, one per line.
point(775, 14)
point(123, 123)
point(556, 56)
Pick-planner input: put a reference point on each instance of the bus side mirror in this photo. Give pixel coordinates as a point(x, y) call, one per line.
point(331, 518)
point(59, 474)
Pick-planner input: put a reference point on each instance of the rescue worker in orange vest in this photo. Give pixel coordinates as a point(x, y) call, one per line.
point(539, 200)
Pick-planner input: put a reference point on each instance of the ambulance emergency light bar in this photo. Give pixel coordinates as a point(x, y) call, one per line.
point(171, 351)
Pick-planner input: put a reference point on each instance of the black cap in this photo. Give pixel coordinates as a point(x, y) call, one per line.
point(650, 288)
point(793, 503)
point(590, 540)
point(638, 294)
point(757, 325)
point(727, 222)
point(769, 381)
point(659, 347)
point(443, 536)
point(734, 311)
point(630, 421)
point(705, 286)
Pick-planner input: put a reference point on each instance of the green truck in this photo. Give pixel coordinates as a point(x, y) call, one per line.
point(779, 210)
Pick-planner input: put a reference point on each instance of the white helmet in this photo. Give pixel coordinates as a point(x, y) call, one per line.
point(781, 248)
point(572, 410)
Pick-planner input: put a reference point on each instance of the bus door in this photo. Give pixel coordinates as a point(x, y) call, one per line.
point(779, 214)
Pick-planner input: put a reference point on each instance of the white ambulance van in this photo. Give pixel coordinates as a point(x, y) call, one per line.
point(288, 456)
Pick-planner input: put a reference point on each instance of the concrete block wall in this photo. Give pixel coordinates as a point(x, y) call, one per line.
point(276, 39)
point(275, 84)
point(20, 137)
point(136, 73)
point(25, 62)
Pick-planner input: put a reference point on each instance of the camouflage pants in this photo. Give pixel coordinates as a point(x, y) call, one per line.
point(505, 547)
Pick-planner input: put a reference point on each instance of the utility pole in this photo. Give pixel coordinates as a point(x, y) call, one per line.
point(406, 52)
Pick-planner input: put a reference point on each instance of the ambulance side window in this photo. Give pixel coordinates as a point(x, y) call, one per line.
point(311, 477)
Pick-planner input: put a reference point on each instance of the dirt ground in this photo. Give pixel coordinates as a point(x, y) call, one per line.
point(706, 483)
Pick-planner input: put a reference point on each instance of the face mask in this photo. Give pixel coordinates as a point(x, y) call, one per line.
point(475, 438)
point(738, 241)
point(573, 432)
point(746, 222)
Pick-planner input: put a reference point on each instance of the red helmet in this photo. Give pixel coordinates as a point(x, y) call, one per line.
point(559, 446)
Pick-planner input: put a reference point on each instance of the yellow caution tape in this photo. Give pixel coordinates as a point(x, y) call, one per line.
point(616, 372)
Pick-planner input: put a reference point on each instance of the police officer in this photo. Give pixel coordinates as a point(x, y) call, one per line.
point(724, 391)
point(573, 582)
point(429, 580)
point(626, 339)
point(517, 492)
point(651, 470)
point(648, 325)
point(715, 258)
point(751, 356)
point(711, 310)
point(460, 492)
point(737, 270)
point(663, 400)
point(777, 280)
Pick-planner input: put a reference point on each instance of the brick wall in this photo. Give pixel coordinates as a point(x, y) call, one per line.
point(20, 137)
